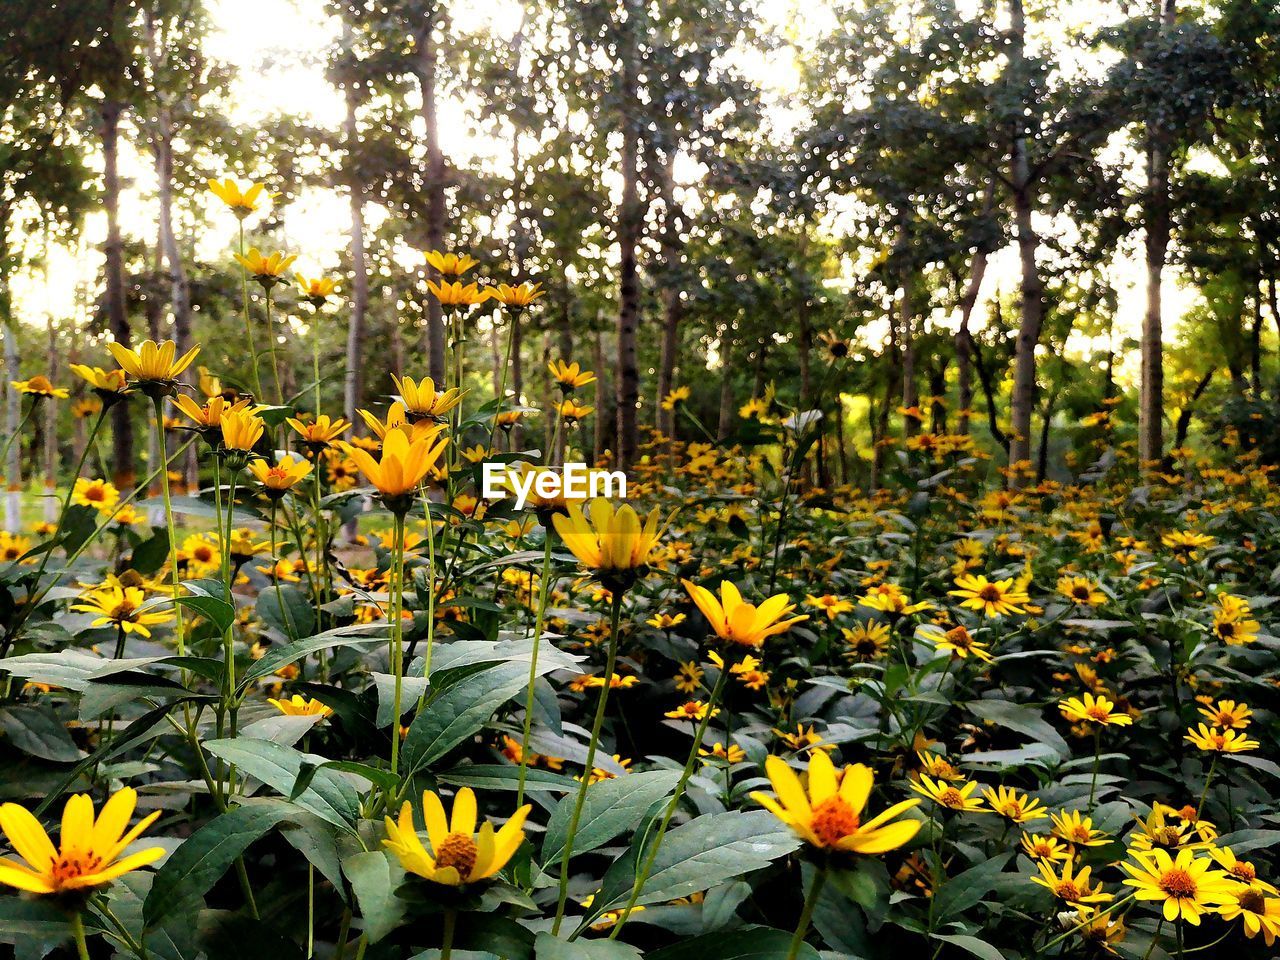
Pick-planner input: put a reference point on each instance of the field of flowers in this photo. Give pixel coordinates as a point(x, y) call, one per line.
point(355, 710)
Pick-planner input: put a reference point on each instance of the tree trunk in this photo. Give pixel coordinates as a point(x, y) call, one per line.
point(122, 465)
point(1185, 414)
point(964, 357)
point(630, 224)
point(937, 388)
point(602, 395)
point(672, 305)
point(436, 173)
point(724, 422)
point(988, 392)
point(907, 333)
point(1151, 399)
point(352, 383)
point(1023, 400)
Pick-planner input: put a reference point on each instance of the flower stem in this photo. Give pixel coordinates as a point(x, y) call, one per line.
point(1204, 794)
point(248, 325)
point(77, 931)
point(533, 668)
point(170, 527)
point(614, 616)
point(397, 639)
point(643, 876)
point(806, 914)
point(1097, 759)
point(450, 924)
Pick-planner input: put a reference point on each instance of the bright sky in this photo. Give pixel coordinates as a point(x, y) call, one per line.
point(277, 47)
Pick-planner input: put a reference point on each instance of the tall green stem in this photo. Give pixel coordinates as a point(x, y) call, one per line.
point(539, 621)
point(614, 617)
point(248, 324)
point(1204, 794)
point(643, 876)
point(77, 931)
point(271, 346)
point(806, 914)
point(179, 631)
point(397, 639)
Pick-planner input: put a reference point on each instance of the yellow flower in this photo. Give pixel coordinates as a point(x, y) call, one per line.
point(300, 706)
point(889, 598)
point(732, 753)
point(831, 605)
point(1100, 933)
point(610, 541)
point(86, 407)
point(867, 641)
point(1241, 871)
point(805, 738)
point(103, 381)
point(152, 362)
point(1257, 912)
point(1228, 714)
point(321, 432)
point(952, 797)
point(283, 475)
point(518, 296)
point(398, 421)
point(99, 494)
point(1071, 887)
point(1186, 887)
point(571, 411)
point(1014, 807)
point(736, 621)
point(828, 814)
point(315, 289)
point(1220, 741)
point(421, 399)
point(570, 376)
point(451, 264)
point(993, 598)
point(691, 710)
point(1093, 709)
point(1077, 829)
point(938, 766)
point(458, 854)
point(403, 463)
point(1081, 591)
point(242, 200)
point(267, 270)
point(87, 850)
point(39, 386)
point(120, 607)
point(678, 395)
point(665, 621)
point(1043, 848)
point(457, 294)
point(241, 429)
point(688, 677)
point(958, 642)
point(210, 415)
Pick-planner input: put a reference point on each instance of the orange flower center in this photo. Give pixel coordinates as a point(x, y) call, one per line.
point(990, 593)
point(1098, 713)
point(951, 797)
point(1081, 592)
point(457, 850)
point(1189, 813)
point(1252, 901)
point(1243, 872)
point(74, 864)
point(833, 819)
point(95, 493)
point(1066, 890)
point(1177, 883)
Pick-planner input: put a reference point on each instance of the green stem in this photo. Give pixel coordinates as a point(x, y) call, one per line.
point(597, 723)
point(4, 451)
point(1213, 765)
point(450, 924)
point(1097, 760)
point(77, 931)
point(806, 914)
point(66, 501)
point(170, 527)
point(248, 325)
point(397, 639)
point(543, 585)
point(271, 345)
point(643, 876)
point(1154, 937)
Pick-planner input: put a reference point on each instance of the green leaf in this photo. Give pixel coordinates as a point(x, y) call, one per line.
point(611, 807)
point(1242, 841)
point(290, 613)
point(209, 598)
point(548, 946)
point(965, 889)
point(37, 731)
point(328, 795)
point(204, 857)
point(282, 656)
point(701, 853)
point(979, 948)
point(459, 711)
point(745, 943)
point(374, 877)
point(501, 776)
point(37, 920)
point(1021, 719)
